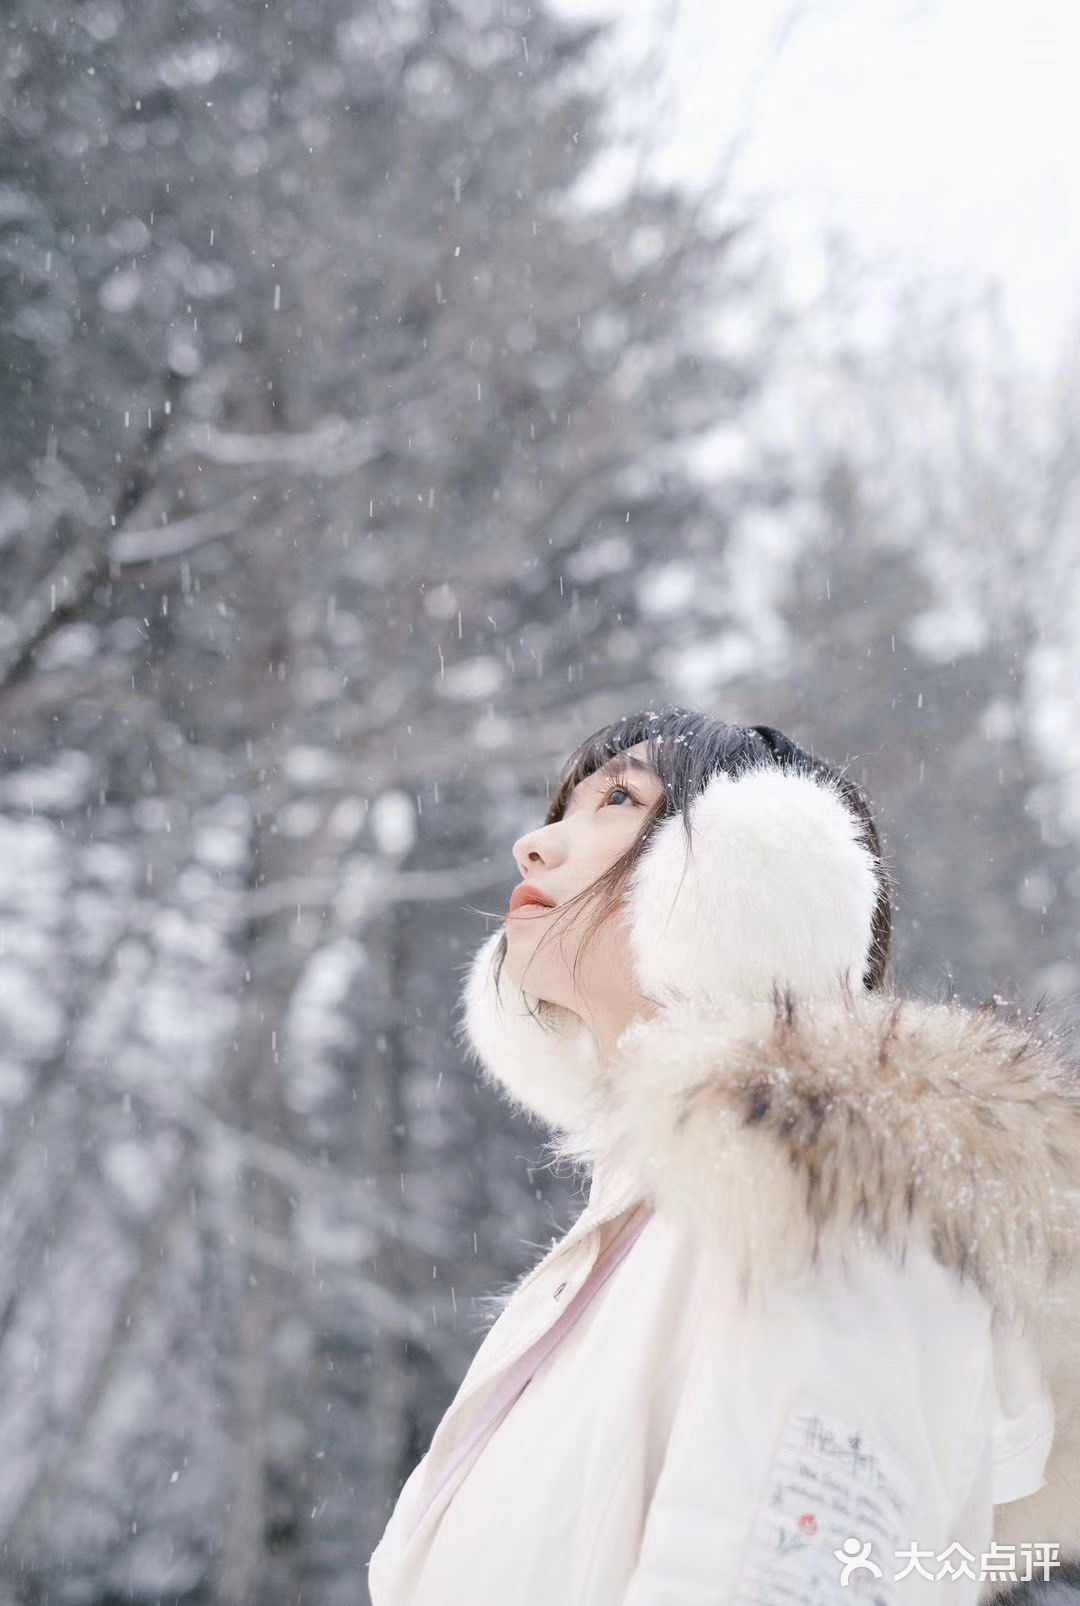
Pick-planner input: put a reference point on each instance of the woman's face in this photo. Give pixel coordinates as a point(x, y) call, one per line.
point(600, 821)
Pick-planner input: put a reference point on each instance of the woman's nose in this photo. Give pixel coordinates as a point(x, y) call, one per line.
point(537, 847)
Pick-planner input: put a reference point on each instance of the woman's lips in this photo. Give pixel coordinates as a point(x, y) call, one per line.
point(529, 909)
point(526, 893)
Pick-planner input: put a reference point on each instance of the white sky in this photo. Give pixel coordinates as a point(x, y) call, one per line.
point(940, 135)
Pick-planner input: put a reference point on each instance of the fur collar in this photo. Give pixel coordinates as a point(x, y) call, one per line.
point(791, 1131)
point(782, 1112)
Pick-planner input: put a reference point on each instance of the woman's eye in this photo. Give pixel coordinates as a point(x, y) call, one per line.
point(609, 794)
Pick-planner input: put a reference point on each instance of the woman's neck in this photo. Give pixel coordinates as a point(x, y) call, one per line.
point(608, 1024)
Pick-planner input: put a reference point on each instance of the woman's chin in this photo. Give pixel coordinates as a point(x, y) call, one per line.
point(520, 974)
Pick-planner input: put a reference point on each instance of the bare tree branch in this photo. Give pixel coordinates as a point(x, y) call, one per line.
point(382, 887)
point(335, 447)
point(184, 535)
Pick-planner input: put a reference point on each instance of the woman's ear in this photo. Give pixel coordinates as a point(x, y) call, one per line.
point(543, 1065)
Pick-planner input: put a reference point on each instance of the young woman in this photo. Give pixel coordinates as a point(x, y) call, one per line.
point(814, 1336)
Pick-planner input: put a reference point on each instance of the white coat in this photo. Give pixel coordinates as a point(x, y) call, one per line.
point(850, 1316)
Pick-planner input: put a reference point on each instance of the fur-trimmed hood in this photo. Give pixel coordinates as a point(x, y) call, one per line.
point(779, 1110)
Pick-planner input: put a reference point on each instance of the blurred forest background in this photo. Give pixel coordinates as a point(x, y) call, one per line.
point(352, 472)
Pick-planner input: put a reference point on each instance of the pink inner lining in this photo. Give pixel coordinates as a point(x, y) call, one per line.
point(522, 1371)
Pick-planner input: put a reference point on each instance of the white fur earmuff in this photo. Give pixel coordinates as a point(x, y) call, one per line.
point(776, 890)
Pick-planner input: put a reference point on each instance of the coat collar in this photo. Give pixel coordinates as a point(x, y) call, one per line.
point(793, 1130)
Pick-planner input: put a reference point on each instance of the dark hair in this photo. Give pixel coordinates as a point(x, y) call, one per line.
point(685, 748)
